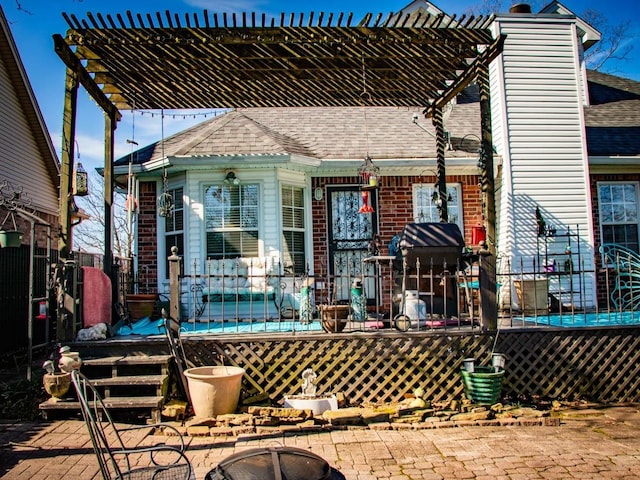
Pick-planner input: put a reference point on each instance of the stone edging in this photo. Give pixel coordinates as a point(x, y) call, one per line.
point(264, 421)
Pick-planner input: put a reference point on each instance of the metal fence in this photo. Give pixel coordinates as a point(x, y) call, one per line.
point(15, 297)
point(252, 294)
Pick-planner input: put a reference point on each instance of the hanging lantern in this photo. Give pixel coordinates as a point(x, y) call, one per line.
point(80, 181)
point(165, 205)
point(369, 174)
point(165, 200)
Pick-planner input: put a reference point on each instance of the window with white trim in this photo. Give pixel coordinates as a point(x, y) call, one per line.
point(231, 220)
point(174, 226)
point(293, 234)
point(425, 204)
point(618, 203)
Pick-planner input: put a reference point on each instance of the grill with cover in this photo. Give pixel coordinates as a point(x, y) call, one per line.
point(438, 248)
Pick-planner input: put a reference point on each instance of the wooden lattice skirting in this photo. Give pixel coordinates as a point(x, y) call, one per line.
point(598, 364)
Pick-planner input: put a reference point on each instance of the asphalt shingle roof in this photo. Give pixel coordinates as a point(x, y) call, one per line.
point(349, 133)
point(613, 118)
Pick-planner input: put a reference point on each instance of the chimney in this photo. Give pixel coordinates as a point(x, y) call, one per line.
point(520, 8)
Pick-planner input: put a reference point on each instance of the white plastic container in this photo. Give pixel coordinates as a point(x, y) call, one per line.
point(414, 308)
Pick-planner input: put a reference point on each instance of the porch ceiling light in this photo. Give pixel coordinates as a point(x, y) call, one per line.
point(231, 179)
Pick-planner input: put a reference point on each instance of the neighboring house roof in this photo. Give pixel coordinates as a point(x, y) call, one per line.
point(334, 133)
point(613, 116)
point(17, 93)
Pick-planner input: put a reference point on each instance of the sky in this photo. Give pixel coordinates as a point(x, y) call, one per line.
point(33, 22)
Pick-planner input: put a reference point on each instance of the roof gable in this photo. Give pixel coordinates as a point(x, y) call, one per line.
point(32, 127)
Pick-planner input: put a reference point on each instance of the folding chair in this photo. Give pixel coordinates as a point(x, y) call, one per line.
point(116, 460)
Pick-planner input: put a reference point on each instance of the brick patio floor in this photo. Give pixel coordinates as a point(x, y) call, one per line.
point(588, 444)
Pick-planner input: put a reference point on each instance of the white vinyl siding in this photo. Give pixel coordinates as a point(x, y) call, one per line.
point(21, 162)
point(542, 128)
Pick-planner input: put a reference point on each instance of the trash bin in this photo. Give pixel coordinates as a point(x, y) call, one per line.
point(438, 247)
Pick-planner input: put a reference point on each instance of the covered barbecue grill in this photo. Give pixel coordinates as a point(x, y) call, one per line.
point(438, 247)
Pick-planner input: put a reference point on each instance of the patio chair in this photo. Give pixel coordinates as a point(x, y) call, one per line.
point(116, 460)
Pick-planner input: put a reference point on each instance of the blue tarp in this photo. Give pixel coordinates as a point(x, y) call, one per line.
point(146, 326)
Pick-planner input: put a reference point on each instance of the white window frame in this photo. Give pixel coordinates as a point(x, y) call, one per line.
point(424, 200)
point(601, 206)
point(302, 229)
point(257, 229)
point(170, 233)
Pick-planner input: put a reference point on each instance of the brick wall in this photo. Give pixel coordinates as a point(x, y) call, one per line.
point(394, 209)
point(601, 291)
point(148, 238)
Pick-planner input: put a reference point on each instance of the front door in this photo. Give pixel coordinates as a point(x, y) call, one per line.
point(350, 233)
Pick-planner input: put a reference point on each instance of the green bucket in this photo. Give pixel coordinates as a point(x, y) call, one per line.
point(10, 238)
point(483, 385)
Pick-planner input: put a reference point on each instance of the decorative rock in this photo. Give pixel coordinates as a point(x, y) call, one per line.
point(238, 430)
point(380, 426)
point(201, 422)
point(346, 416)
point(266, 421)
point(234, 419)
point(170, 432)
point(198, 431)
point(280, 412)
point(401, 426)
point(175, 409)
point(221, 432)
point(371, 416)
point(472, 416)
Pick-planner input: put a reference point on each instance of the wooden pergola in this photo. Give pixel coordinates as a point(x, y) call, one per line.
point(209, 60)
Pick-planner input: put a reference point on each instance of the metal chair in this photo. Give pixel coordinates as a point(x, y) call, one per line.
point(172, 333)
point(117, 461)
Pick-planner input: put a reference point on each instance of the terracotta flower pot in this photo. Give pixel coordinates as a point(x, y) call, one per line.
point(141, 305)
point(334, 317)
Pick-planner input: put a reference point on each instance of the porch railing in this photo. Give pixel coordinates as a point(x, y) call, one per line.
point(254, 294)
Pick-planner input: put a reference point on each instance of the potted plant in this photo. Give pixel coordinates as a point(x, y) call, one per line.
point(142, 302)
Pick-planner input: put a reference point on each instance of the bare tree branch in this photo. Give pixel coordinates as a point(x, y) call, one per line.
point(89, 235)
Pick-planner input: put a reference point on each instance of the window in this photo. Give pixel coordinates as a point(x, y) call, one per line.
point(619, 213)
point(174, 226)
point(231, 221)
point(293, 229)
point(425, 208)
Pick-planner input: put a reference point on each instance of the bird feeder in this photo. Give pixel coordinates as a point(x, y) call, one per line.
point(369, 180)
point(80, 181)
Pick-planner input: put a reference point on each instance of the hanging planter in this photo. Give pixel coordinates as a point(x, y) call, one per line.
point(10, 238)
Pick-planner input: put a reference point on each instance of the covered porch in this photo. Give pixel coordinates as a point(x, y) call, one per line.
point(411, 59)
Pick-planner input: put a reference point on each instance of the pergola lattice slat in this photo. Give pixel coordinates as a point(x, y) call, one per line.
point(242, 61)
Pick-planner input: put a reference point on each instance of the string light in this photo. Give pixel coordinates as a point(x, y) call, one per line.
point(183, 116)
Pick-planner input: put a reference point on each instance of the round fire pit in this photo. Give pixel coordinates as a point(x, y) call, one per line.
point(272, 463)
